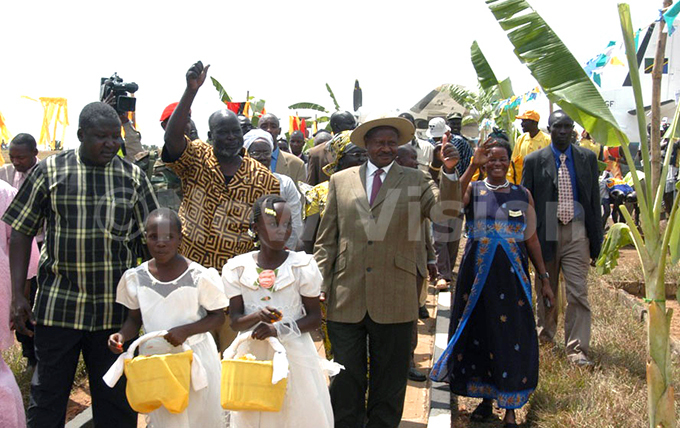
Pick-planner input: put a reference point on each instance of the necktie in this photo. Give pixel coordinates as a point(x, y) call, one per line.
point(565, 205)
point(377, 182)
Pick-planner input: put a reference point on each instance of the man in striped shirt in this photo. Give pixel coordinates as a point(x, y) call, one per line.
point(93, 205)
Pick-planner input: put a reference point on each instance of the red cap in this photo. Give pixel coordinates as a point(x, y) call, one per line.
point(167, 112)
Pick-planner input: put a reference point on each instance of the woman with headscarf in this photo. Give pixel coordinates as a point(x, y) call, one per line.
point(259, 145)
point(346, 155)
point(493, 347)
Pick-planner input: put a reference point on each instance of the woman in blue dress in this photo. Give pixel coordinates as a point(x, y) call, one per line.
point(493, 349)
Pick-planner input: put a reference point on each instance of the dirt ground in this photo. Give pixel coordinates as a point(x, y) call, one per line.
point(78, 401)
point(627, 254)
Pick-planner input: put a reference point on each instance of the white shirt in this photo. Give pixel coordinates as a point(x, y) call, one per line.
point(370, 169)
point(424, 150)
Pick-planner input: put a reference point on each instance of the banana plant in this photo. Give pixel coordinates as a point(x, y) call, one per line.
point(479, 104)
point(319, 107)
point(256, 105)
point(565, 83)
point(500, 90)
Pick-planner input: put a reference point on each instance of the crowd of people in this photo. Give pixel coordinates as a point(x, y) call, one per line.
point(269, 240)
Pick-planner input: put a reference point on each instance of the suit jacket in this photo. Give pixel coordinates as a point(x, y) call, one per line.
point(291, 165)
point(368, 254)
point(319, 157)
point(427, 249)
point(426, 254)
point(540, 177)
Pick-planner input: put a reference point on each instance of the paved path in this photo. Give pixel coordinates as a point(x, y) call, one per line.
point(440, 406)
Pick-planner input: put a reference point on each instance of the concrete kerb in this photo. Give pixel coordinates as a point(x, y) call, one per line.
point(83, 420)
point(440, 397)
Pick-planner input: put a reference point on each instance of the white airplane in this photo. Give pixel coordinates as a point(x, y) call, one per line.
point(618, 92)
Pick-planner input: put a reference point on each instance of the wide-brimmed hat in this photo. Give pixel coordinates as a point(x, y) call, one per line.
point(437, 128)
point(404, 128)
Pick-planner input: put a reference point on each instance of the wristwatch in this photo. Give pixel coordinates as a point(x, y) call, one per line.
point(545, 275)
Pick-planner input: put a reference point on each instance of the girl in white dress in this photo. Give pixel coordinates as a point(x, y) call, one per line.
point(275, 292)
point(172, 293)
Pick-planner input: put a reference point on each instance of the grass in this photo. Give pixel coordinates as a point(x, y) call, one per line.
point(612, 394)
point(629, 269)
point(17, 364)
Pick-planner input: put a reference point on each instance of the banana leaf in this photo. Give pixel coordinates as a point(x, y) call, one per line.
point(505, 88)
point(220, 89)
point(257, 107)
point(310, 106)
point(500, 90)
point(557, 71)
point(485, 75)
point(617, 237)
point(461, 95)
point(330, 92)
point(674, 241)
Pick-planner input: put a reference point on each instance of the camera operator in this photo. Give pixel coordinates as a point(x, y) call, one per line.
point(132, 139)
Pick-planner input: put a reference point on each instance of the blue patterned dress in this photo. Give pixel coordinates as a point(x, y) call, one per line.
point(493, 347)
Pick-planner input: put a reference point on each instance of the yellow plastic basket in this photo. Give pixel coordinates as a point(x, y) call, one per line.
point(247, 385)
point(159, 380)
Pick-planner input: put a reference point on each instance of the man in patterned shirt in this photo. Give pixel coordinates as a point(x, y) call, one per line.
point(220, 184)
point(93, 205)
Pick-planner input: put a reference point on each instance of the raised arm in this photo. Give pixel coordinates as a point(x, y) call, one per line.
point(175, 142)
point(478, 160)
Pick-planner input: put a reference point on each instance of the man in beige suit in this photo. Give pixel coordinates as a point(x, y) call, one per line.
point(282, 162)
point(367, 251)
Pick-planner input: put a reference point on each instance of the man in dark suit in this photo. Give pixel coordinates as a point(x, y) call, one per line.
point(563, 180)
point(367, 250)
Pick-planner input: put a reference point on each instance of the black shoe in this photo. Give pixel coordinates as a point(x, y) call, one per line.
point(483, 412)
point(423, 313)
point(415, 375)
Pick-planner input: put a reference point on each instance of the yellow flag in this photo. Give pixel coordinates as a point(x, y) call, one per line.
point(4, 132)
point(616, 61)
